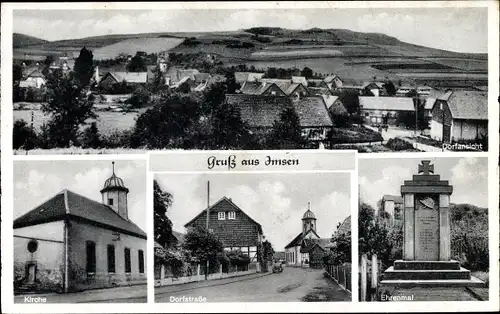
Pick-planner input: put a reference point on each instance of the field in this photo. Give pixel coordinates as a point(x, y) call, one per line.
point(131, 46)
point(461, 63)
point(106, 121)
point(296, 53)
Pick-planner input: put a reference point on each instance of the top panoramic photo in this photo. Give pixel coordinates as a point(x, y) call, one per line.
point(127, 81)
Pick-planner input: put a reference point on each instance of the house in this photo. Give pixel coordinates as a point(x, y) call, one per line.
point(261, 88)
point(307, 248)
point(317, 83)
point(204, 84)
point(333, 81)
point(232, 226)
point(319, 91)
point(375, 88)
point(260, 112)
point(345, 226)
point(300, 80)
point(403, 90)
point(460, 116)
point(384, 110)
point(392, 205)
point(73, 243)
point(428, 105)
point(136, 78)
point(242, 77)
point(34, 79)
point(175, 74)
point(335, 106)
point(289, 88)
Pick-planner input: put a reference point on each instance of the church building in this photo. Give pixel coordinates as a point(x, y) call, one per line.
point(73, 243)
point(307, 248)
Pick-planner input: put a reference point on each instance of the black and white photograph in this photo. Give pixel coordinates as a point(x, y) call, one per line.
point(373, 80)
point(80, 231)
point(423, 229)
point(252, 237)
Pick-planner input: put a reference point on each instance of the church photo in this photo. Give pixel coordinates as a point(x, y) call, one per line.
point(80, 231)
point(423, 229)
point(253, 237)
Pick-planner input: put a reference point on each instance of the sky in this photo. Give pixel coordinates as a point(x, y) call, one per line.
point(37, 181)
point(276, 201)
point(455, 29)
point(469, 177)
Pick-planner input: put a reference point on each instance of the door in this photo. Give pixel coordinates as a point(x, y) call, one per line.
point(31, 274)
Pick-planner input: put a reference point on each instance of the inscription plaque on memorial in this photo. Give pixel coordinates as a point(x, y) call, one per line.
point(426, 228)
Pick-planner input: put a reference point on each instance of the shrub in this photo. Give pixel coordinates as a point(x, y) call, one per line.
point(23, 136)
point(397, 144)
point(91, 137)
point(139, 98)
point(117, 139)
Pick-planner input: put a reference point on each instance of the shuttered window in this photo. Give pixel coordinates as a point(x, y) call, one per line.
point(91, 258)
point(128, 267)
point(141, 262)
point(111, 258)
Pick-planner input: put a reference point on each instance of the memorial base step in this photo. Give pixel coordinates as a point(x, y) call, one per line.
point(426, 265)
point(472, 282)
point(426, 274)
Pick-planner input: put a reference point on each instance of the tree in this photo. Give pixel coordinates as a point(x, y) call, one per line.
point(350, 100)
point(203, 245)
point(139, 98)
point(17, 73)
point(84, 67)
point(91, 137)
point(231, 83)
point(307, 72)
point(372, 235)
point(340, 252)
point(229, 131)
point(23, 136)
point(162, 201)
point(390, 88)
point(69, 106)
point(286, 132)
point(137, 64)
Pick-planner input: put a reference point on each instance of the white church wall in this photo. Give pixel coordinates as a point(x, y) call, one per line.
point(48, 231)
point(80, 233)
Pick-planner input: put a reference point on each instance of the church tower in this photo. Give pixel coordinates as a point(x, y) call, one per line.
point(114, 194)
point(308, 220)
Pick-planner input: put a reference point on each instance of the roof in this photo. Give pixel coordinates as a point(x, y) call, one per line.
point(377, 84)
point(429, 103)
point(318, 91)
point(308, 215)
point(34, 72)
point(308, 244)
point(178, 235)
point(241, 77)
point(200, 77)
point(329, 78)
point(177, 74)
point(130, 77)
point(70, 205)
point(345, 226)
point(298, 239)
point(254, 88)
point(299, 79)
point(467, 104)
point(386, 103)
point(329, 100)
point(214, 208)
point(262, 111)
point(396, 198)
point(114, 183)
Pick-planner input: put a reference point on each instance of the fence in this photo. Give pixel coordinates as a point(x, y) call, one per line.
point(341, 274)
point(369, 277)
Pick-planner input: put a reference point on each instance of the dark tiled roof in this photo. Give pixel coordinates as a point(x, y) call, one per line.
point(467, 104)
point(298, 239)
point(253, 88)
point(222, 205)
point(262, 111)
point(67, 204)
point(309, 244)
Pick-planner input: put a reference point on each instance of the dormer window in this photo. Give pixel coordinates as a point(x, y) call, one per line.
point(231, 215)
point(222, 216)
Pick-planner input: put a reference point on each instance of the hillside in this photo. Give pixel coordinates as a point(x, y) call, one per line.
point(21, 40)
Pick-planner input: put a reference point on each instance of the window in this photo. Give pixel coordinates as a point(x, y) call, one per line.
point(111, 258)
point(110, 201)
point(367, 114)
point(231, 215)
point(90, 265)
point(273, 93)
point(222, 216)
point(127, 260)
point(141, 262)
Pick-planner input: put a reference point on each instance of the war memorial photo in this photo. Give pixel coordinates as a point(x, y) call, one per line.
point(79, 231)
point(373, 80)
point(266, 238)
point(427, 238)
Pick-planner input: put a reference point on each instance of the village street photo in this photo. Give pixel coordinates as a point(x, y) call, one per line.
point(79, 231)
point(423, 229)
point(252, 237)
point(372, 80)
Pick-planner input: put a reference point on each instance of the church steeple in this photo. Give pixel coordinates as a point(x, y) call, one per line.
point(114, 194)
point(308, 220)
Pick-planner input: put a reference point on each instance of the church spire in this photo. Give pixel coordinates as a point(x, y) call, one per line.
point(114, 194)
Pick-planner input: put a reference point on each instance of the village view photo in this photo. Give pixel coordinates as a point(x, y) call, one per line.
point(252, 237)
point(372, 80)
point(79, 231)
